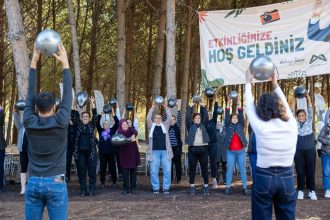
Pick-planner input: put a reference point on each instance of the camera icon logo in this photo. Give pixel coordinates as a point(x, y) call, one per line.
point(269, 17)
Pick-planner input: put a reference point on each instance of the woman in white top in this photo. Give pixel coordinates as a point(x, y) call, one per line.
point(276, 135)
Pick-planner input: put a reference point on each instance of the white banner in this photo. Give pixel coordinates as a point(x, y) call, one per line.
point(297, 41)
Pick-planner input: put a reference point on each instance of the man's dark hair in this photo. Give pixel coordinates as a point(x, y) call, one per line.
point(173, 116)
point(270, 107)
point(45, 101)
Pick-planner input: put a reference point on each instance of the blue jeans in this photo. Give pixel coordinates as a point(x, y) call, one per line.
point(234, 157)
point(274, 185)
point(253, 163)
point(325, 159)
point(159, 157)
point(2, 171)
point(46, 191)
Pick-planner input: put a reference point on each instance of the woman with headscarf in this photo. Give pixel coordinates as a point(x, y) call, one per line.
point(129, 157)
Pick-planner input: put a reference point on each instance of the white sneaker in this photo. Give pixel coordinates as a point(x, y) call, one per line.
point(300, 195)
point(327, 193)
point(312, 195)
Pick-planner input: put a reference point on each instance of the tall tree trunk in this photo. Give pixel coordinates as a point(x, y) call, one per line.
point(17, 39)
point(12, 101)
point(55, 87)
point(170, 50)
point(92, 56)
point(75, 47)
point(2, 51)
point(149, 76)
point(39, 28)
point(129, 52)
point(184, 92)
point(121, 38)
point(160, 51)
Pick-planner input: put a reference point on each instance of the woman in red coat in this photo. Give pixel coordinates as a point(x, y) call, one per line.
point(129, 157)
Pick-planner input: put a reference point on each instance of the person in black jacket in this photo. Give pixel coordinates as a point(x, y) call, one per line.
point(212, 148)
point(107, 151)
point(174, 133)
point(221, 152)
point(3, 145)
point(198, 140)
point(85, 152)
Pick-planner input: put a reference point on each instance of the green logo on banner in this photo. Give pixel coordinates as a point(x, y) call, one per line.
point(214, 83)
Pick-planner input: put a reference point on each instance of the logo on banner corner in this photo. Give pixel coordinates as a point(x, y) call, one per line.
point(214, 83)
point(316, 58)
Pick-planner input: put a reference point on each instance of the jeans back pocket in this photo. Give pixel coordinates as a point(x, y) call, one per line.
point(262, 183)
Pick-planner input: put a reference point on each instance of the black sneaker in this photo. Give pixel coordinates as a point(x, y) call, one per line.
point(124, 192)
point(206, 191)
point(166, 191)
point(92, 193)
point(192, 190)
point(227, 191)
point(246, 192)
point(155, 191)
point(83, 193)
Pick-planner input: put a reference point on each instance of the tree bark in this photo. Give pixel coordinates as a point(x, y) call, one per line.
point(93, 42)
point(17, 39)
point(2, 51)
point(39, 28)
point(149, 63)
point(12, 101)
point(184, 92)
point(75, 47)
point(160, 51)
point(129, 52)
point(121, 38)
point(170, 50)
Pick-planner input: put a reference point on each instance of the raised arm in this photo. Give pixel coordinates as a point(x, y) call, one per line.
point(189, 117)
point(63, 114)
point(241, 119)
point(17, 120)
point(149, 116)
point(227, 114)
point(204, 115)
point(116, 125)
point(179, 119)
point(168, 115)
point(29, 109)
point(98, 126)
point(215, 113)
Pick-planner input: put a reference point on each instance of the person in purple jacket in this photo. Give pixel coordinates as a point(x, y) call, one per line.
point(129, 157)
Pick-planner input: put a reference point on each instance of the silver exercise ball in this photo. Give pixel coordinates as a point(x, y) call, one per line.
point(262, 67)
point(47, 42)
